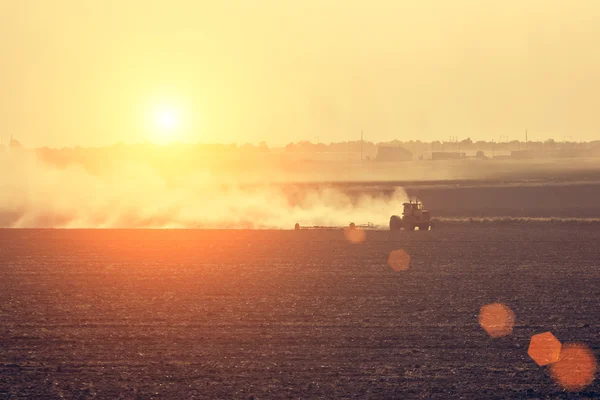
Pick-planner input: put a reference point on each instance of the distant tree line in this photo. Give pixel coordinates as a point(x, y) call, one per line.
point(418, 147)
point(226, 156)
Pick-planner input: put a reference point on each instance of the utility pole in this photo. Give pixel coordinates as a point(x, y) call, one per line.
point(361, 145)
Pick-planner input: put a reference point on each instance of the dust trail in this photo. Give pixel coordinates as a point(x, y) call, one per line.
point(35, 194)
point(514, 220)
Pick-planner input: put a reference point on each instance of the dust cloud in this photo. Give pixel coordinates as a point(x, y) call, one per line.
point(38, 195)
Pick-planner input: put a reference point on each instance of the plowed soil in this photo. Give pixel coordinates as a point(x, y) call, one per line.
point(285, 314)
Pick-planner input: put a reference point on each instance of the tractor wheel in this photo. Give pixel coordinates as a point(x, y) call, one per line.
point(395, 223)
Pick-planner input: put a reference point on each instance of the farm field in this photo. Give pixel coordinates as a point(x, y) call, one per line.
point(488, 199)
point(226, 314)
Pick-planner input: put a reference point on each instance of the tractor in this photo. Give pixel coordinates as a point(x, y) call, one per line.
point(413, 216)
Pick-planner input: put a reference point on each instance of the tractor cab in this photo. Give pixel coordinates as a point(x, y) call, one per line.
point(412, 208)
point(413, 216)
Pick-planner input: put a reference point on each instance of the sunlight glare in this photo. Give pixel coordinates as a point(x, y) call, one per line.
point(166, 119)
point(165, 122)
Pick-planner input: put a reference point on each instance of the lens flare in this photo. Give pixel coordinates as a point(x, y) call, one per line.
point(576, 367)
point(544, 348)
point(497, 320)
point(355, 235)
point(399, 260)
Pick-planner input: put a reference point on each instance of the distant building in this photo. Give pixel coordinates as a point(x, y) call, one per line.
point(595, 152)
point(522, 154)
point(560, 153)
point(15, 144)
point(448, 155)
point(571, 153)
point(481, 155)
point(393, 153)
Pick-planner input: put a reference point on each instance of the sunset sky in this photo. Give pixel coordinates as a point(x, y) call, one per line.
point(82, 72)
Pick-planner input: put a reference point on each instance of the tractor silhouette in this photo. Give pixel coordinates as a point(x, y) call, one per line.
point(413, 216)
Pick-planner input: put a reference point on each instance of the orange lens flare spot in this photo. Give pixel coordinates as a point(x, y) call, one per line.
point(544, 348)
point(575, 368)
point(355, 235)
point(399, 260)
point(497, 319)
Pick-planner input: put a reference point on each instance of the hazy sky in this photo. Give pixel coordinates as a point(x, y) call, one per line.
point(83, 72)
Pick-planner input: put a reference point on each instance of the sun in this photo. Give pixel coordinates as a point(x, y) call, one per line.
point(166, 124)
point(167, 120)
